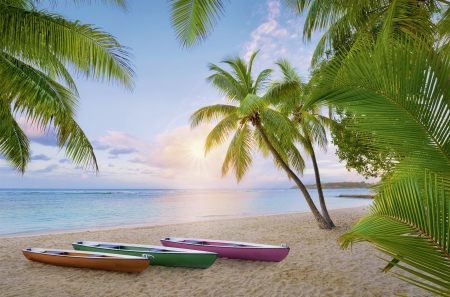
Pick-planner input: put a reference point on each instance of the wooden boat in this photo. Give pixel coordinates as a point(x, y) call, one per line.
point(160, 255)
point(101, 261)
point(231, 249)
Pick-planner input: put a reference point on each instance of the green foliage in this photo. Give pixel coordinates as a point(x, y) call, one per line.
point(357, 153)
point(346, 21)
point(38, 49)
point(194, 20)
point(398, 94)
point(409, 221)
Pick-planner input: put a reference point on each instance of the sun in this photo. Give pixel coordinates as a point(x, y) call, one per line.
point(196, 149)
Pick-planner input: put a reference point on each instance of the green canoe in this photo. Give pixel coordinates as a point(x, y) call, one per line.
point(160, 255)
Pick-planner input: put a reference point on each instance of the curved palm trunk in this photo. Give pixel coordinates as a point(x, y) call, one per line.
point(323, 223)
point(319, 188)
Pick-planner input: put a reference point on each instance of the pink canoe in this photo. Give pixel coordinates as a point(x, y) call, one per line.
point(231, 249)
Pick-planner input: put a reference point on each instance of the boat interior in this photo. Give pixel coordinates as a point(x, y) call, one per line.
point(126, 248)
point(72, 254)
point(211, 243)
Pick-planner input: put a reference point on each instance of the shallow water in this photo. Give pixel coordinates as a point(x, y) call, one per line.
point(27, 212)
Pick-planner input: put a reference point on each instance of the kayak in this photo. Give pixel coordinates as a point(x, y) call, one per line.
point(70, 258)
point(231, 249)
point(160, 255)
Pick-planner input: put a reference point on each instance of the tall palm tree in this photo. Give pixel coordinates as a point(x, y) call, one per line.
point(399, 92)
point(256, 125)
point(38, 49)
point(289, 95)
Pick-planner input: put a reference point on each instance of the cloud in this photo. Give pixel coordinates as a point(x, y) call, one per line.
point(111, 165)
point(62, 161)
point(40, 157)
point(49, 168)
point(122, 151)
point(121, 140)
point(37, 135)
point(266, 37)
point(113, 157)
point(137, 160)
point(100, 146)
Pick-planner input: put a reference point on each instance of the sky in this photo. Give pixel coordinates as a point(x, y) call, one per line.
point(142, 138)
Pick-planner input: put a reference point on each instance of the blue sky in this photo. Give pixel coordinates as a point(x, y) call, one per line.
point(142, 138)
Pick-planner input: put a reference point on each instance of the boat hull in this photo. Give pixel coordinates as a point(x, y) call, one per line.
point(163, 258)
point(227, 250)
point(82, 260)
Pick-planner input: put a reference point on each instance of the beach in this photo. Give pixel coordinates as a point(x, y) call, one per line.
point(315, 265)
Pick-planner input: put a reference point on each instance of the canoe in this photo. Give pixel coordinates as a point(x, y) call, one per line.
point(76, 259)
point(231, 249)
point(160, 255)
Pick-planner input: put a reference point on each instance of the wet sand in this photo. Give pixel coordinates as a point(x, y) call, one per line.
point(315, 265)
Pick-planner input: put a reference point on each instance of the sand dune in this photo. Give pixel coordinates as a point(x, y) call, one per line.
point(315, 265)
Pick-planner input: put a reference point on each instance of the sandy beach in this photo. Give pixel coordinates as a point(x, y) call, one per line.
point(315, 265)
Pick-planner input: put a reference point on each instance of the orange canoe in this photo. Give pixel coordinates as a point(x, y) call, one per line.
point(71, 258)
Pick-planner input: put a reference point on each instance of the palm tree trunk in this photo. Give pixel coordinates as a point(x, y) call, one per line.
point(323, 223)
point(319, 187)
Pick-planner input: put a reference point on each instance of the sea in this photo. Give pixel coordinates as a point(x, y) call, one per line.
point(37, 211)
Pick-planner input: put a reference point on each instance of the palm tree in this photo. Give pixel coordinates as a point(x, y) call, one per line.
point(289, 95)
point(399, 92)
point(256, 125)
point(38, 49)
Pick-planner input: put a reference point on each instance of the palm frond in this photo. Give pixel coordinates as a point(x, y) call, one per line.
point(40, 36)
point(239, 153)
point(409, 222)
point(77, 146)
point(412, 99)
point(241, 71)
point(35, 95)
point(226, 84)
point(44, 102)
point(194, 20)
point(279, 124)
point(262, 81)
point(250, 105)
point(219, 134)
point(14, 144)
point(119, 3)
point(211, 113)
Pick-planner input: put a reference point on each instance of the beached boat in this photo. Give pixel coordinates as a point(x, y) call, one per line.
point(160, 255)
point(231, 249)
point(76, 259)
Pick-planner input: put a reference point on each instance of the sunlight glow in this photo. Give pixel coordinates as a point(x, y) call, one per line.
point(196, 149)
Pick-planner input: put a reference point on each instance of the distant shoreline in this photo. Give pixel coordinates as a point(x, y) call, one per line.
point(340, 185)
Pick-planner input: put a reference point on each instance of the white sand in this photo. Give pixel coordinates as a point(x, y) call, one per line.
point(315, 265)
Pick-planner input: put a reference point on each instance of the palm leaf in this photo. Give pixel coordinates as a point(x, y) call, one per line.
point(211, 113)
point(14, 144)
point(239, 153)
point(219, 134)
point(410, 223)
point(250, 105)
point(412, 99)
point(76, 143)
point(35, 95)
point(226, 84)
point(194, 20)
point(40, 36)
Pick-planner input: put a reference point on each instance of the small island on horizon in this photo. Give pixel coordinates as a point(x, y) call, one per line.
point(340, 185)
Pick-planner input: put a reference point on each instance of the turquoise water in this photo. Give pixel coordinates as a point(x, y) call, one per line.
point(28, 212)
